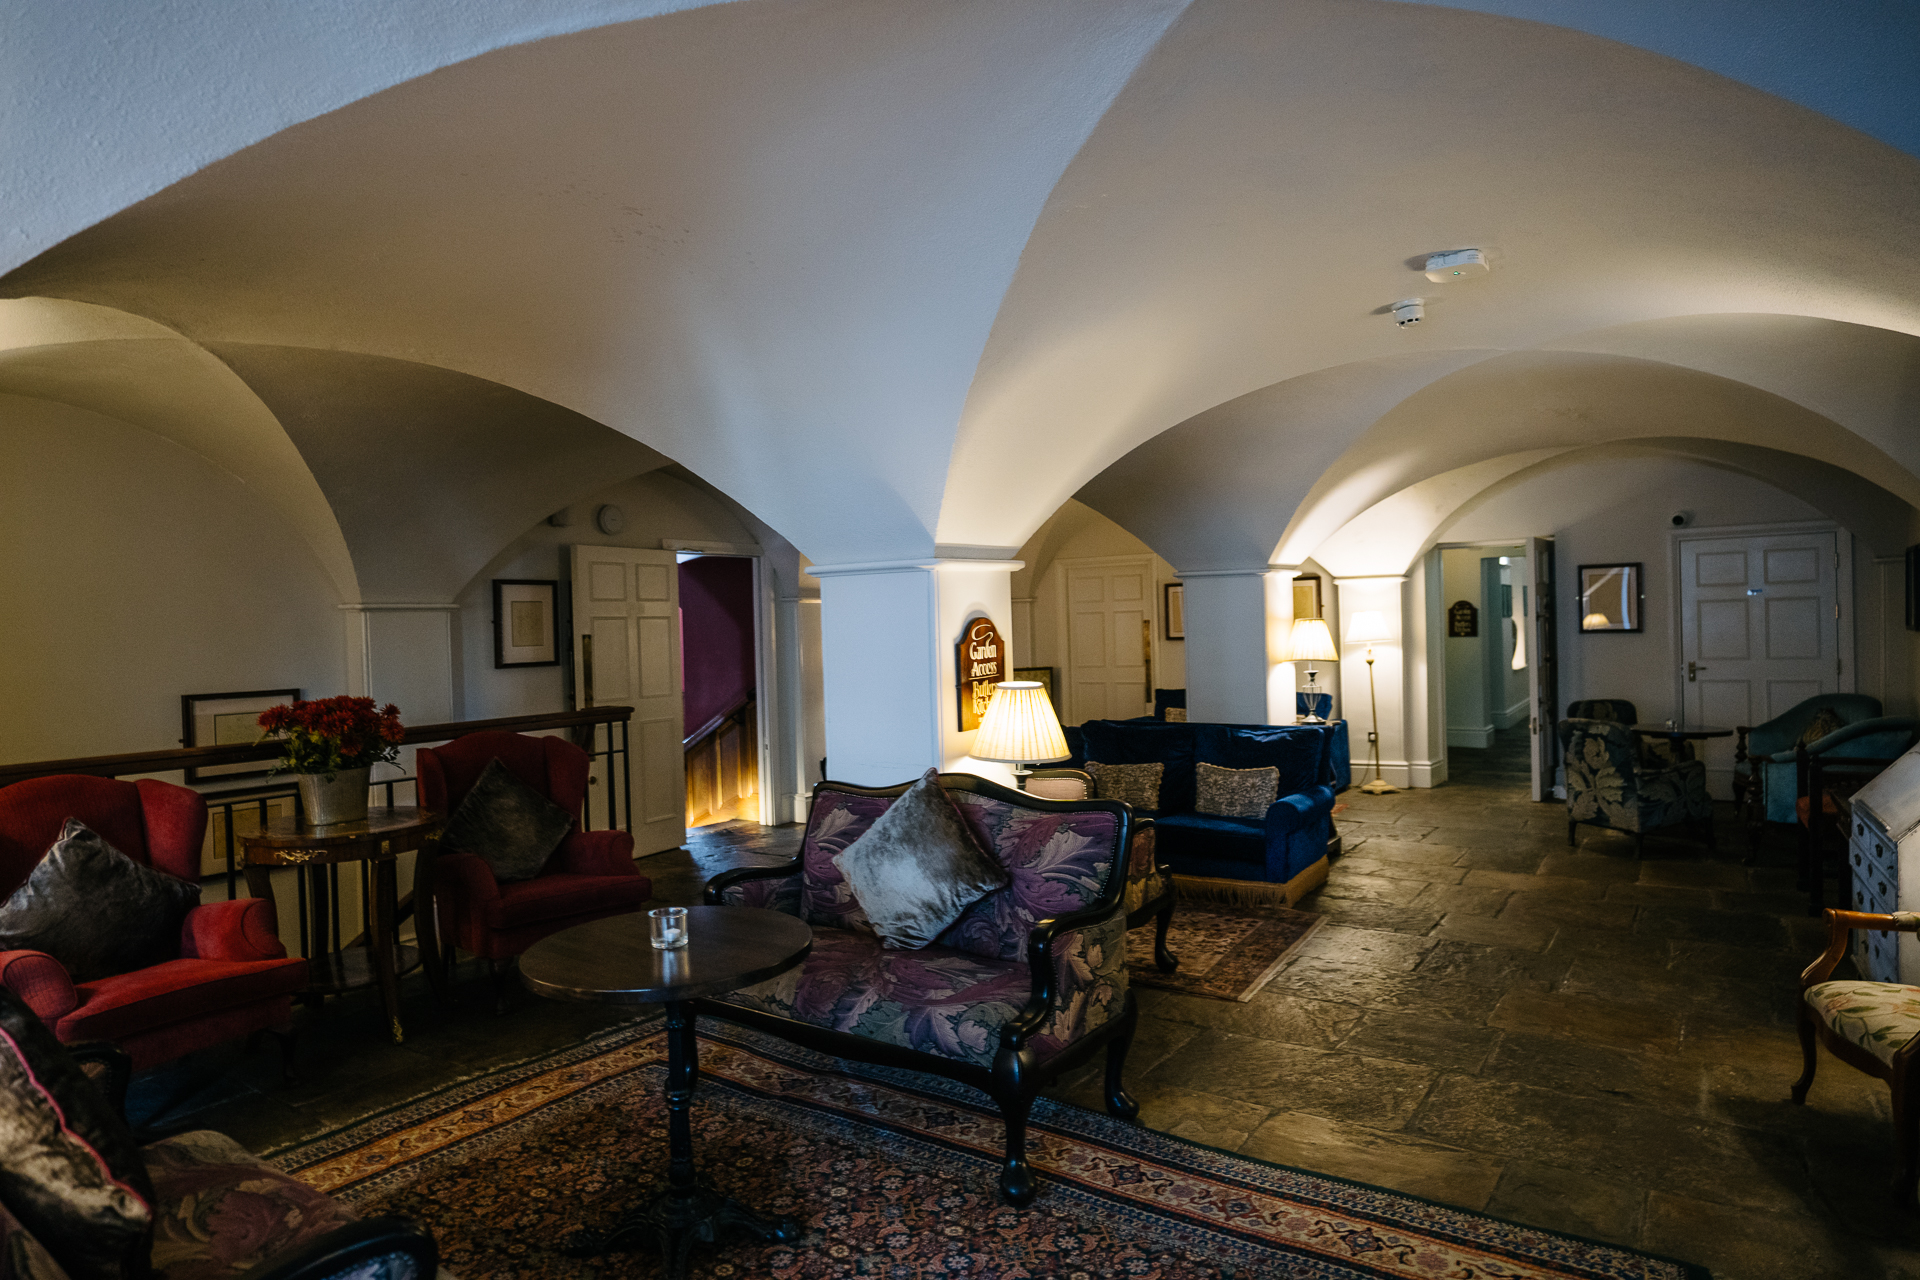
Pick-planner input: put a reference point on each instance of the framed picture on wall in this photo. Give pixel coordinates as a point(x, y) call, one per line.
point(1044, 675)
point(1611, 598)
point(523, 622)
point(226, 719)
point(1173, 601)
point(1307, 602)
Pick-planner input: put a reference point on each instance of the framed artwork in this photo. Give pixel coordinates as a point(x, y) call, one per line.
point(1173, 597)
point(222, 719)
point(1044, 675)
point(1611, 598)
point(1307, 602)
point(246, 822)
point(523, 622)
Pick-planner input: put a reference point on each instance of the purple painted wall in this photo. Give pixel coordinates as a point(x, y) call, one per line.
point(716, 635)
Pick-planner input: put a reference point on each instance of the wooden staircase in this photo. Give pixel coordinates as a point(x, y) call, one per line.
point(723, 767)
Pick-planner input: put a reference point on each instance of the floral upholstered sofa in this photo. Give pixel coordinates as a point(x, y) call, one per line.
point(1028, 983)
point(1607, 785)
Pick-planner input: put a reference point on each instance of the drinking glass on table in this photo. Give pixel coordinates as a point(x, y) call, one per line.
point(669, 927)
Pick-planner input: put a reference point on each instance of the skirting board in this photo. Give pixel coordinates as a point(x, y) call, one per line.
point(1251, 893)
point(1477, 737)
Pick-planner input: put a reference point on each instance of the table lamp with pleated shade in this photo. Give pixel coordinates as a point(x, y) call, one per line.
point(1311, 642)
point(1019, 728)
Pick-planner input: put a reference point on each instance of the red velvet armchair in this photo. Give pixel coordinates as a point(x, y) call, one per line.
point(589, 876)
point(232, 976)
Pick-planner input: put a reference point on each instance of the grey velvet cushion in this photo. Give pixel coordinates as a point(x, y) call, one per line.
point(1135, 784)
point(918, 867)
point(69, 1170)
point(506, 824)
point(95, 910)
point(1234, 793)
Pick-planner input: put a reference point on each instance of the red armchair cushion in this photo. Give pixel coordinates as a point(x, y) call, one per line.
point(41, 981)
point(237, 930)
point(131, 1003)
point(560, 895)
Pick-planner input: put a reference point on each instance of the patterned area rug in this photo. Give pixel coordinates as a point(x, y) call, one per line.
point(1227, 953)
point(891, 1174)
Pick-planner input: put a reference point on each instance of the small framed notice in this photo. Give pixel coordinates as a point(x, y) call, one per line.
point(1463, 620)
point(523, 631)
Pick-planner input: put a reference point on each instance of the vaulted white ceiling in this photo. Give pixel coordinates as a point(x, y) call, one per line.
point(898, 276)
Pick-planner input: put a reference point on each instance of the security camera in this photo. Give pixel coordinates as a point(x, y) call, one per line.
point(1411, 311)
point(1681, 519)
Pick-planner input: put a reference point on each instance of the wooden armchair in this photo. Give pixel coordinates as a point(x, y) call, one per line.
point(1874, 1026)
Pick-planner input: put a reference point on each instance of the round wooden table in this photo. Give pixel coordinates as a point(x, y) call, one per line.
point(318, 852)
point(613, 961)
point(1678, 735)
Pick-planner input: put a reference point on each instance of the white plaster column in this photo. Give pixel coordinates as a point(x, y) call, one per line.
point(888, 632)
point(404, 654)
point(1382, 594)
point(1238, 625)
point(1227, 652)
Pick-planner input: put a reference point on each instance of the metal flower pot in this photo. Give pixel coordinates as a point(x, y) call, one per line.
point(327, 804)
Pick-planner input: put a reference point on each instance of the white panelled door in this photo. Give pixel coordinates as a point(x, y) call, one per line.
point(626, 625)
point(1760, 631)
point(1109, 610)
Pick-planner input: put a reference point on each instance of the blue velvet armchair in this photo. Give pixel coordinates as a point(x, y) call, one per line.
point(1766, 782)
point(1607, 786)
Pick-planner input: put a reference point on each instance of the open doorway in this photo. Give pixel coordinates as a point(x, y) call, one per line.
point(718, 649)
point(1485, 601)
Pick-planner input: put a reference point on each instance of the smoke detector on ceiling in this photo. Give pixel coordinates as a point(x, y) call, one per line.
point(1461, 264)
point(1411, 311)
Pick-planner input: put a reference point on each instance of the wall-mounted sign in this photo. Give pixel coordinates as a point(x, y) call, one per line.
point(981, 661)
point(1463, 619)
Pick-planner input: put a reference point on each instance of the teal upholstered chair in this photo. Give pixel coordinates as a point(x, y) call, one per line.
point(1607, 786)
point(1765, 778)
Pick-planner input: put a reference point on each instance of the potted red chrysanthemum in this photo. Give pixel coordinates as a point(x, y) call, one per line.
point(332, 745)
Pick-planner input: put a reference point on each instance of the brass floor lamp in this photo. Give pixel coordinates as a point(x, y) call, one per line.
point(1365, 627)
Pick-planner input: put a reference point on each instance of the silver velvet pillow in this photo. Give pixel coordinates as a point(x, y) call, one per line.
point(1135, 784)
point(917, 868)
point(1234, 793)
point(510, 826)
point(95, 910)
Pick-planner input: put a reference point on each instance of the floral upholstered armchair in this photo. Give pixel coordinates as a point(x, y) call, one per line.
point(1608, 787)
point(1873, 1026)
point(1028, 983)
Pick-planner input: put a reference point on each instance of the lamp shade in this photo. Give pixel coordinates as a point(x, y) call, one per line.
point(1367, 626)
point(1019, 726)
point(1310, 641)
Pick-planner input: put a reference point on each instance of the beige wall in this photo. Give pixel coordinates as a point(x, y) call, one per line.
point(137, 572)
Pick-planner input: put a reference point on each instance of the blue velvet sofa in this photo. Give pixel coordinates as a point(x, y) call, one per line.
point(1766, 780)
point(1276, 858)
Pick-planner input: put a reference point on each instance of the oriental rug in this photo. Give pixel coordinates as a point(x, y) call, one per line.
point(891, 1175)
point(1226, 953)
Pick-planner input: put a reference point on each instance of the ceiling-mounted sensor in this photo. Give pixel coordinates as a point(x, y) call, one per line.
point(1461, 264)
point(1411, 311)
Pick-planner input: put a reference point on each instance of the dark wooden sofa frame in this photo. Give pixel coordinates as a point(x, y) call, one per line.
point(1017, 1075)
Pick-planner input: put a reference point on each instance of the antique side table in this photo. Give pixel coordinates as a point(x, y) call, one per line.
point(319, 853)
point(614, 961)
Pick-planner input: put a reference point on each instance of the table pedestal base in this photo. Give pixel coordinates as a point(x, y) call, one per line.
point(674, 1219)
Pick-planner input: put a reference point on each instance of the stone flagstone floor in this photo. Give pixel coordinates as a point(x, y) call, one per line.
point(1575, 1037)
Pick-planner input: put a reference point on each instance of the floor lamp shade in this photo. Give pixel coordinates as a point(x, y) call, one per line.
point(1019, 726)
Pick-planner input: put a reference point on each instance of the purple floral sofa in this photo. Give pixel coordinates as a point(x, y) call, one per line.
point(1029, 983)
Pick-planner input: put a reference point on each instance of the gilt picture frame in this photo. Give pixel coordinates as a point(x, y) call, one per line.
point(1173, 610)
point(524, 630)
point(223, 719)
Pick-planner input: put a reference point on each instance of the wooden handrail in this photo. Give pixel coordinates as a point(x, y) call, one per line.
point(243, 752)
point(718, 722)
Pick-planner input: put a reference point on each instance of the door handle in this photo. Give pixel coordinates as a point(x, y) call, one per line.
point(1692, 667)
